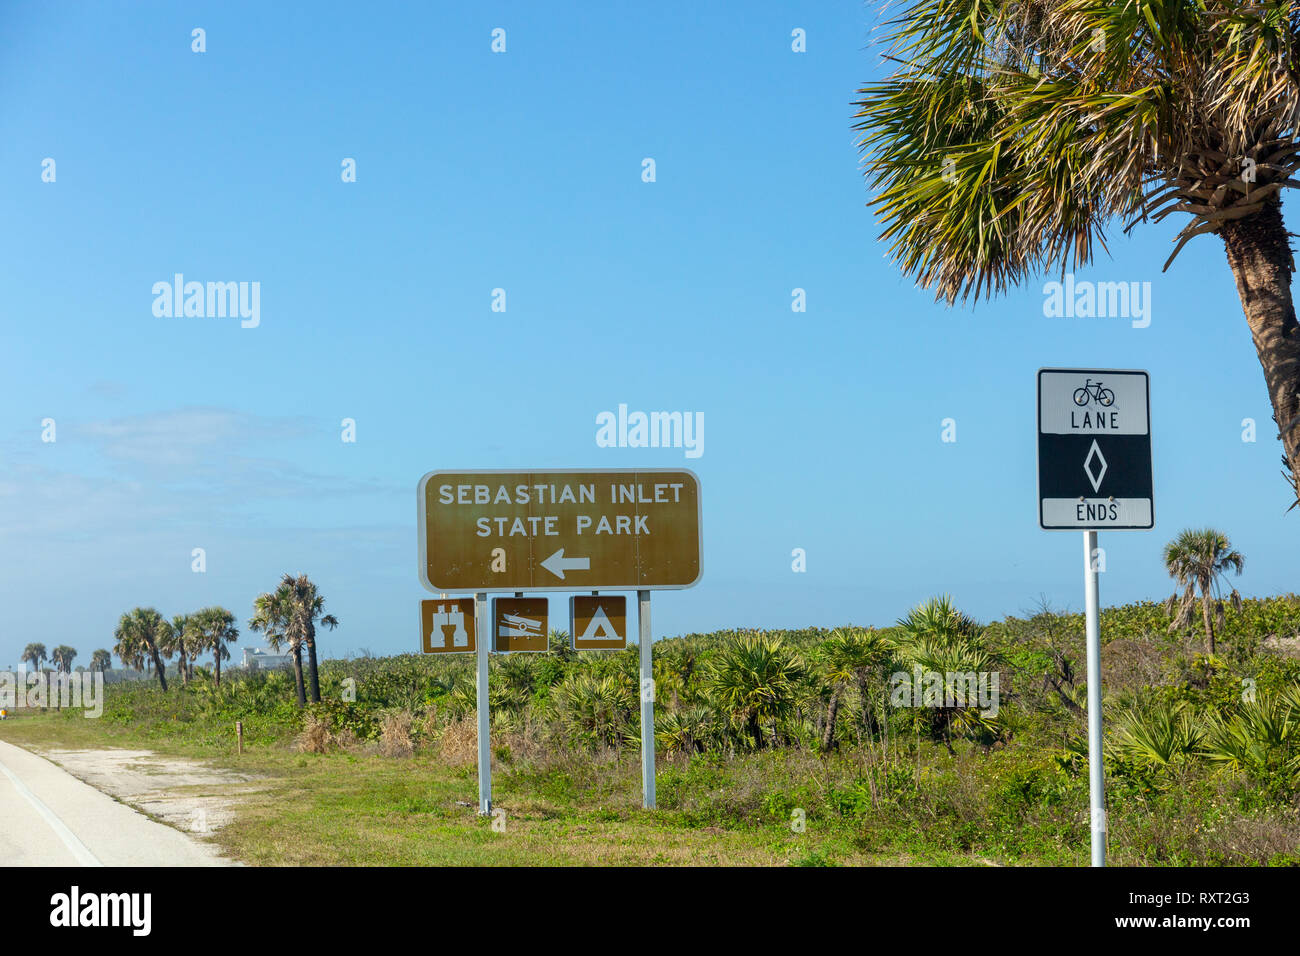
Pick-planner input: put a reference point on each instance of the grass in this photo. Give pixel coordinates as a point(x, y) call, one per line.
point(368, 810)
point(575, 809)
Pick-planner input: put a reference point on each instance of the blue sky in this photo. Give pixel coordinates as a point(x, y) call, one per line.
point(522, 171)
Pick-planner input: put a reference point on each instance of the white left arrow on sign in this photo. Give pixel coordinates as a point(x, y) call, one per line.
point(557, 564)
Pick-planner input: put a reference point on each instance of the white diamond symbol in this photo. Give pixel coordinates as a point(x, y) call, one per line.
point(1087, 466)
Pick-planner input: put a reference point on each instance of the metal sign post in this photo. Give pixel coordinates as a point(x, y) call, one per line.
point(483, 626)
point(647, 702)
point(1094, 471)
point(1096, 774)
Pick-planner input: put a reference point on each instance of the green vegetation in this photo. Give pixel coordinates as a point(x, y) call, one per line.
point(774, 746)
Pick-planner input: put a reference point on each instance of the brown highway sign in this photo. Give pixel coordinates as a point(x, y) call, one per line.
point(599, 529)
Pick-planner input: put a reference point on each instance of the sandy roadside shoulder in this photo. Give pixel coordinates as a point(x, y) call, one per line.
point(183, 793)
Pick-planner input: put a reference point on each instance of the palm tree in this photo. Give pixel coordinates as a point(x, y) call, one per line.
point(129, 650)
point(1201, 559)
point(273, 615)
point(35, 655)
point(850, 656)
point(214, 628)
point(307, 610)
point(62, 658)
point(754, 681)
point(559, 645)
point(594, 708)
point(139, 633)
point(684, 731)
point(1157, 734)
point(678, 665)
point(1257, 739)
point(938, 619)
point(179, 642)
point(1012, 132)
point(940, 639)
point(101, 660)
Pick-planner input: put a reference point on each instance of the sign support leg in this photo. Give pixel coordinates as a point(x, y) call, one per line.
point(647, 702)
point(1096, 771)
point(483, 635)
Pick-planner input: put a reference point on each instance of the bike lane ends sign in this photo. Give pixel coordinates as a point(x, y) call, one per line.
point(1094, 450)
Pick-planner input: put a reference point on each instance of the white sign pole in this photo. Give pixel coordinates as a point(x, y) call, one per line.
point(483, 635)
point(1096, 771)
point(647, 703)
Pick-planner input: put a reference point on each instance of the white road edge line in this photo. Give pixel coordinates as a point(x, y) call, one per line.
point(75, 846)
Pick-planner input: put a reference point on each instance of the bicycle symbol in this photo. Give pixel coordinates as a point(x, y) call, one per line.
point(1092, 391)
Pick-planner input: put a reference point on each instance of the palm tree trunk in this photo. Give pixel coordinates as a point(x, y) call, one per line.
point(158, 664)
point(1259, 253)
point(884, 723)
point(185, 677)
point(217, 656)
point(311, 665)
point(865, 694)
point(832, 711)
point(297, 674)
point(1209, 624)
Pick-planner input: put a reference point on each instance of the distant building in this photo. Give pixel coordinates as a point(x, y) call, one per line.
point(259, 658)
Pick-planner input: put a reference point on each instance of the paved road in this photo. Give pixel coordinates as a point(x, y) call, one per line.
point(50, 818)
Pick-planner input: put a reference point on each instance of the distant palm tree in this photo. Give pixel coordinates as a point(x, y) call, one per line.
point(101, 660)
point(1011, 133)
point(181, 643)
point(938, 619)
point(850, 657)
point(214, 628)
point(62, 658)
point(307, 610)
point(273, 616)
point(940, 639)
point(35, 655)
point(129, 650)
point(138, 634)
point(1201, 559)
point(754, 681)
point(193, 646)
